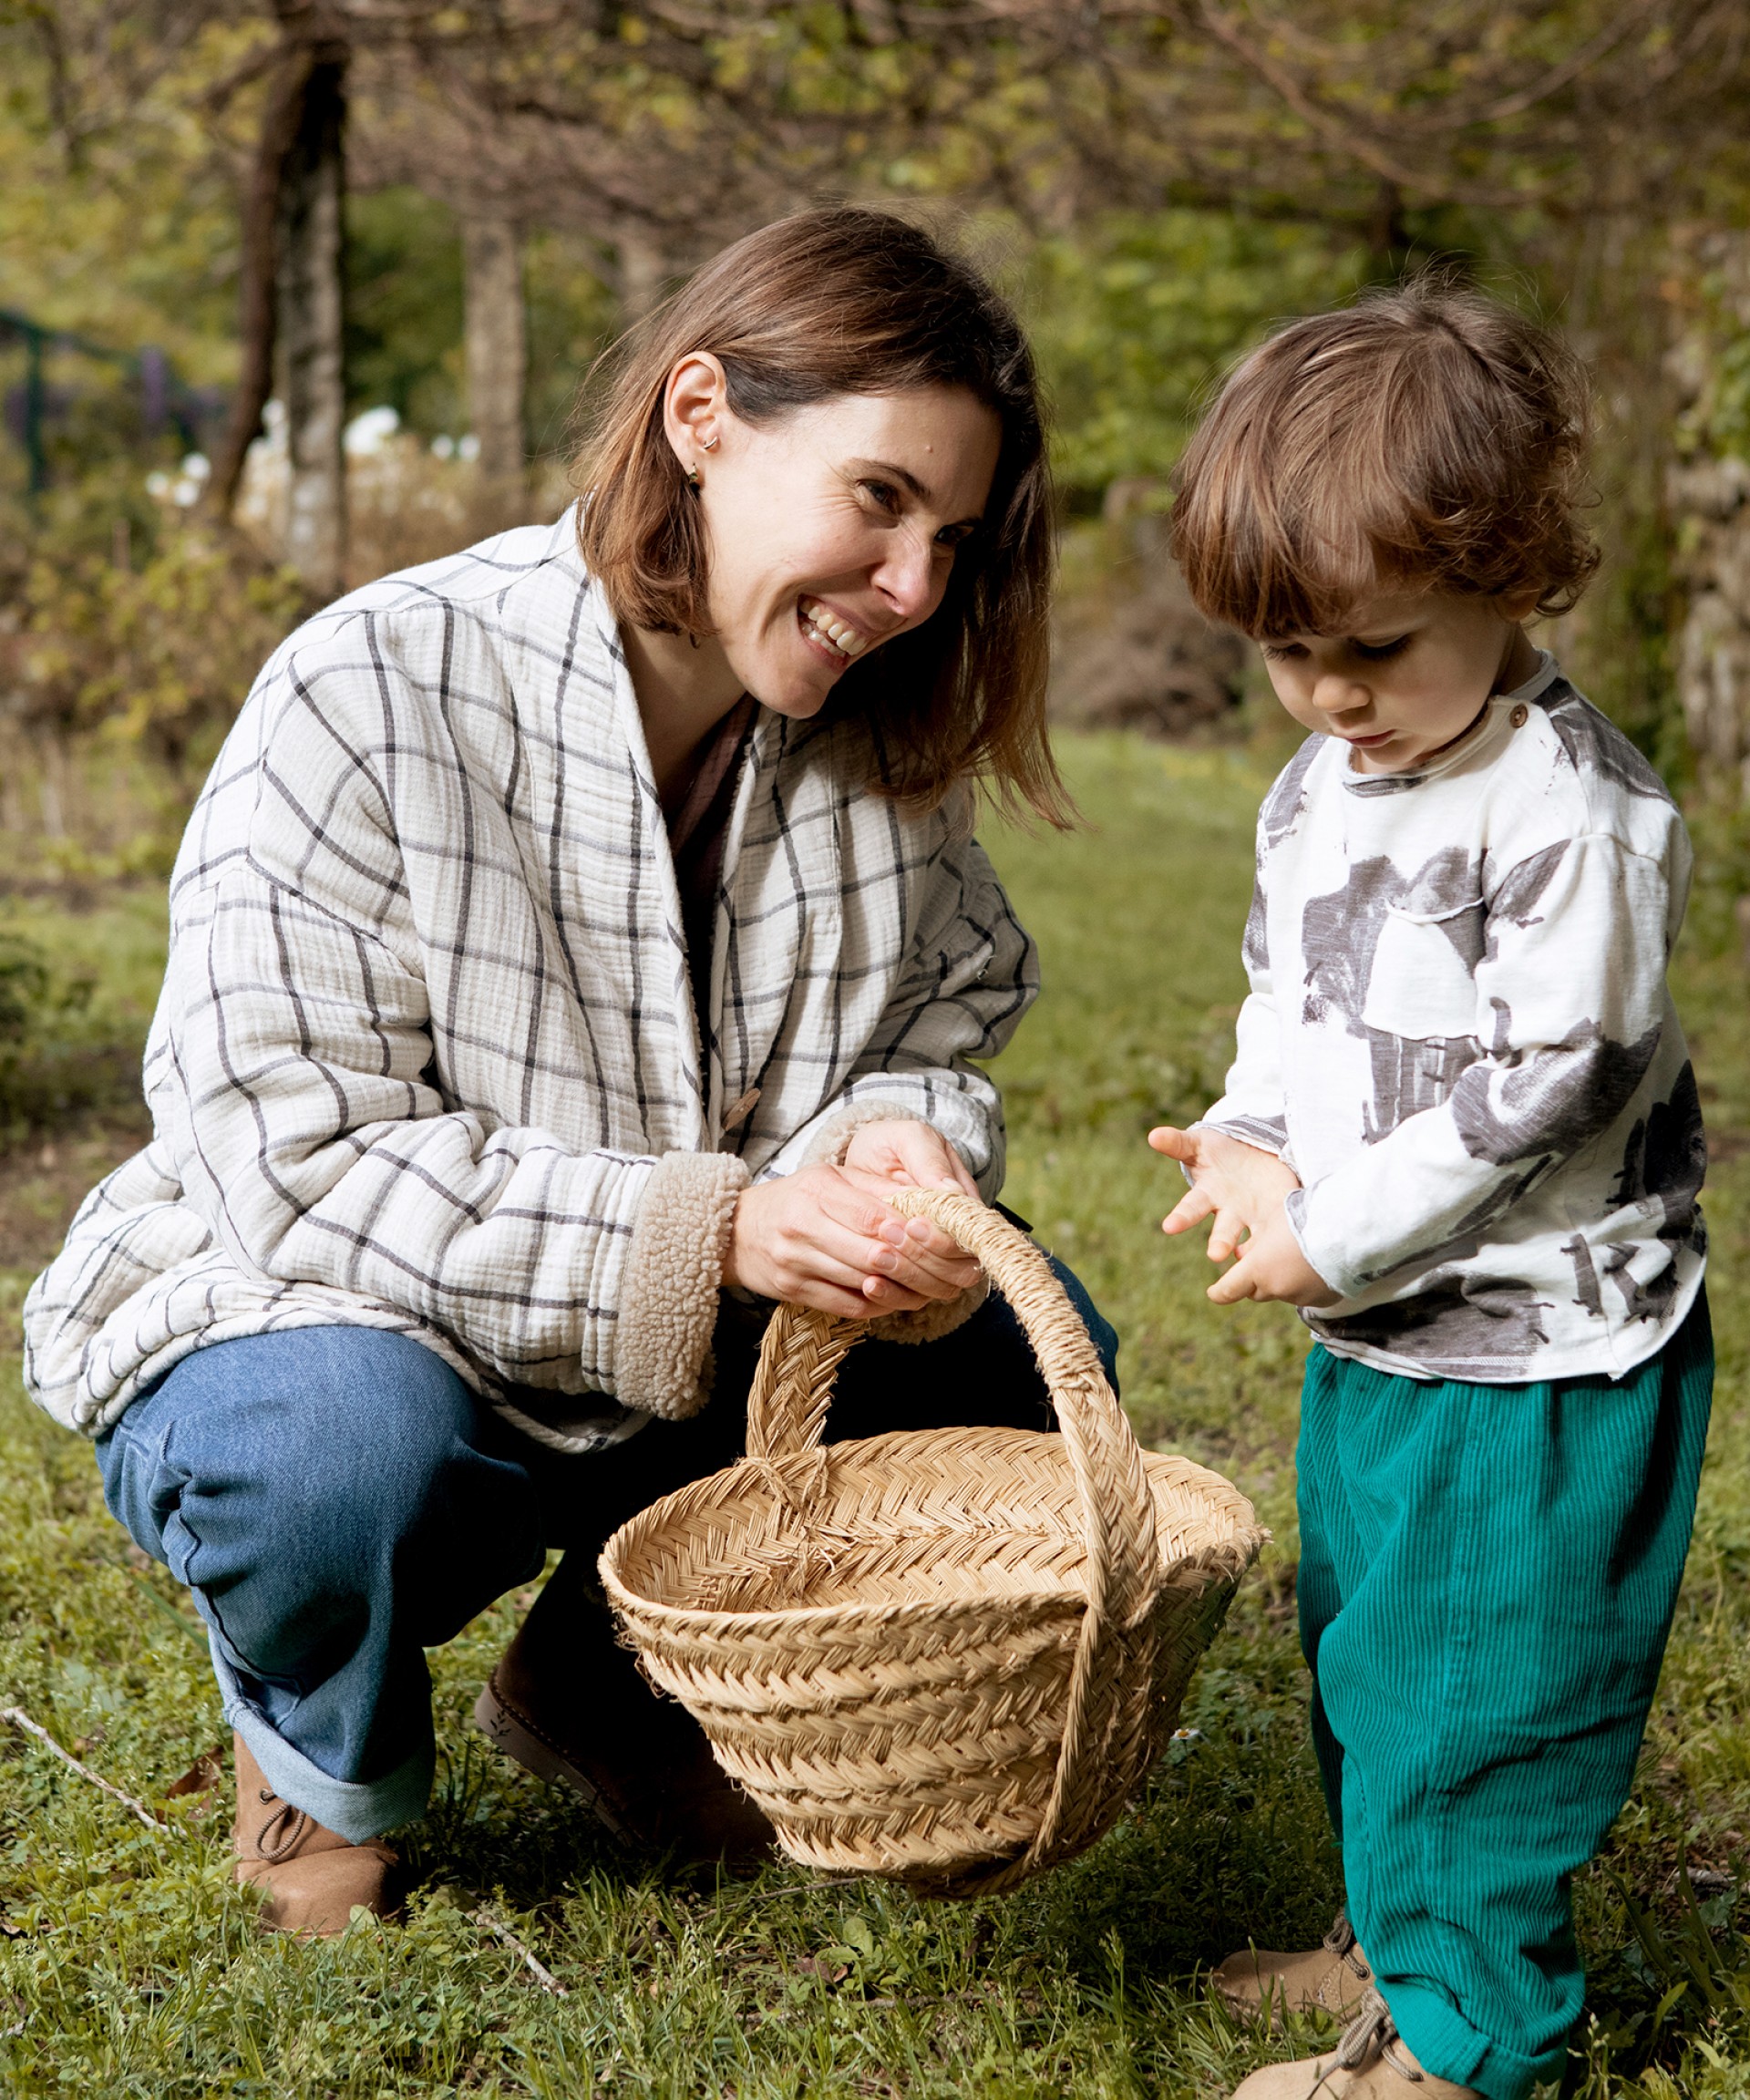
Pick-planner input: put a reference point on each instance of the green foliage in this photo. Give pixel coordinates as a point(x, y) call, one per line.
point(130, 1965)
point(117, 205)
point(1136, 315)
point(57, 1057)
point(159, 657)
point(404, 309)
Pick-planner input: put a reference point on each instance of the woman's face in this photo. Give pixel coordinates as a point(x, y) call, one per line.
point(831, 529)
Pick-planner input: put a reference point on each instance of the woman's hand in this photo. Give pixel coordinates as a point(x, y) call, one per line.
point(915, 1155)
point(1244, 1189)
point(823, 1237)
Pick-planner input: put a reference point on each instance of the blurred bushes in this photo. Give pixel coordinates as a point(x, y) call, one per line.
point(157, 656)
point(130, 636)
point(59, 1055)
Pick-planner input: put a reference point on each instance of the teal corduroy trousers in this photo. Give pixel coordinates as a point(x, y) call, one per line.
point(1486, 1581)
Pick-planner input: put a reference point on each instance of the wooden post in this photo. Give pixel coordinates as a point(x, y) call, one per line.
point(310, 302)
point(496, 345)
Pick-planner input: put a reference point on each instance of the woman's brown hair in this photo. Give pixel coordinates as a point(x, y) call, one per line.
point(832, 302)
point(1425, 437)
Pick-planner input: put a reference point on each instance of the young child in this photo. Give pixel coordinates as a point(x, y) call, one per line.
point(1462, 1133)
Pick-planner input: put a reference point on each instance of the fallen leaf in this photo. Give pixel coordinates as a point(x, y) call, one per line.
point(201, 1776)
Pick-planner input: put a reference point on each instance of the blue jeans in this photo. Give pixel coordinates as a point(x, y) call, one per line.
point(337, 1501)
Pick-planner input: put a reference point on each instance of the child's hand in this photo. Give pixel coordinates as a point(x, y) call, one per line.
point(1238, 1185)
point(1244, 1189)
point(1272, 1269)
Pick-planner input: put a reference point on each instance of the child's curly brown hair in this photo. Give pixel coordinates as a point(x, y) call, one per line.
point(1425, 437)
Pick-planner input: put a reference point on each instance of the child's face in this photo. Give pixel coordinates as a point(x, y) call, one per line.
point(1411, 674)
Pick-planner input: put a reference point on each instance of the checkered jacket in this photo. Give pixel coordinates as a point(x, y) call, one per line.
point(426, 1056)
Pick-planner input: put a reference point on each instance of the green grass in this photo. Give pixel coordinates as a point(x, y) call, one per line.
point(129, 1966)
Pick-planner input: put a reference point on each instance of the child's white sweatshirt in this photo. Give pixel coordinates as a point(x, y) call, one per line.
point(1460, 1038)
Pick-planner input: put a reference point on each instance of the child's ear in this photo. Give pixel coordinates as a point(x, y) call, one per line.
point(1515, 606)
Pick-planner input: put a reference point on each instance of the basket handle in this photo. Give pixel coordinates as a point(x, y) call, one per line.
point(786, 1412)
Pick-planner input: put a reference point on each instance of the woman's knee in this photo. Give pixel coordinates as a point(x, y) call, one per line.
point(322, 1438)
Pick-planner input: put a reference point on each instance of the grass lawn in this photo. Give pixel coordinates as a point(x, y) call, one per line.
point(128, 1965)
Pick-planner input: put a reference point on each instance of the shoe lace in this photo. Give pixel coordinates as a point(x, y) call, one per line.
point(1341, 1942)
point(1372, 2036)
point(280, 1836)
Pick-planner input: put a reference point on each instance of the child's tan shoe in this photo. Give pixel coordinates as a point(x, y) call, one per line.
point(1370, 2062)
point(1333, 1978)
point(311, 1879)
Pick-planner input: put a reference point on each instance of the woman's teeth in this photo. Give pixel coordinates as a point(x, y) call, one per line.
point(828, 628)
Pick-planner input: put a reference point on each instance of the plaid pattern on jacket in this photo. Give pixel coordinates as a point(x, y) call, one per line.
point(426, 1056)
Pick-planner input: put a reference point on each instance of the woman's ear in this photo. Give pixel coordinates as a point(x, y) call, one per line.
point(695, 406)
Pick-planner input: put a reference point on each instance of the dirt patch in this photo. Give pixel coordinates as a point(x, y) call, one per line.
point(44, 1180)
point(1132, 651)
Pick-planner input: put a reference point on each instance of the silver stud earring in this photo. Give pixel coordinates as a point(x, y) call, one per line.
point(710, 444)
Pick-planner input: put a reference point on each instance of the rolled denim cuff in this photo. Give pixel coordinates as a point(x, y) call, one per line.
point(353, 1810)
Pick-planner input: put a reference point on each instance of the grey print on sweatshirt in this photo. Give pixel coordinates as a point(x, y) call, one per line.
point(1460, 1037)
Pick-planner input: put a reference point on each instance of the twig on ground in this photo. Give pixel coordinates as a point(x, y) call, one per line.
point(20, 1719)
point(542, 1975)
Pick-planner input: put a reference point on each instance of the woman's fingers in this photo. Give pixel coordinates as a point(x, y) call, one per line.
point(823, 1238)
point(929, 1159)
point(1225, 1234)
point(911, 1152)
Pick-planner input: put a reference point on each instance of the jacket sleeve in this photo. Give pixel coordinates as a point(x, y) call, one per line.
point(1571, 1003)
point(970, 972)
point(297, 1096)
point(1253, 1106)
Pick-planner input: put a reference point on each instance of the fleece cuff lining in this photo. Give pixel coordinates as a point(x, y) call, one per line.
point(668, 1302)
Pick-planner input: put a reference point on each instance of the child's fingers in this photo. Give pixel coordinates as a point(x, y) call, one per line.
point(1190, 1209)
point(1175, 1144)
point(1225, 1235)
point(1234, 1286)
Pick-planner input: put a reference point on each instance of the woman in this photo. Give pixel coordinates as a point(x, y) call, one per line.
point(574, 943)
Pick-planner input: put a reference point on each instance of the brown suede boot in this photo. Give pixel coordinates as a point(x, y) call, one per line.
point(567, 1702)
point(1333, 1978)
point(1370, 2062)
point(311, 1879)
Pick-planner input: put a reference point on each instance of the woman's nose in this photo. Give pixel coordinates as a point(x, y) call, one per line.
point(910, 578)
point(1335, 695)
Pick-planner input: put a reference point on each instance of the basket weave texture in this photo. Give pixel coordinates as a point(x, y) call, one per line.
point(948, 1656)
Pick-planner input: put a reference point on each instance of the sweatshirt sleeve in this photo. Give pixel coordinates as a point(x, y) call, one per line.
point(1572, 1001)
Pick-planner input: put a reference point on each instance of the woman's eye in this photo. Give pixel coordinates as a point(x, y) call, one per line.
point(953, 536)
point(1377, 651)
point(883, 493)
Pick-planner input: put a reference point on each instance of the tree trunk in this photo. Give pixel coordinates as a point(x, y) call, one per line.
point(281, 119)
point(643, 274)
point(1709, 498)
point(310, 238)
point(497, 350)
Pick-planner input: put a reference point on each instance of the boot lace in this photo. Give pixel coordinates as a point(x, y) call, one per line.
point(1340, 1941)
point(280, 1836)
point(1371, 2036)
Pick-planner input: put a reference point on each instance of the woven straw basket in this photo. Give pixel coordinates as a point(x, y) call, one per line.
point(949, 1655)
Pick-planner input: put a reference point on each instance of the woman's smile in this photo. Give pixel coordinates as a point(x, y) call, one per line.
point(832, 638)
